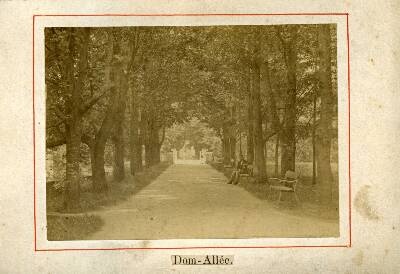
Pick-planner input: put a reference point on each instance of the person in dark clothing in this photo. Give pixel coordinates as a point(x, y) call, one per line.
point(241, 168)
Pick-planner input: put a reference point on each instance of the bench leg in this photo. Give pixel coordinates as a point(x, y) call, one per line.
point(269, 194)
point(297, 198)
point(280, 196)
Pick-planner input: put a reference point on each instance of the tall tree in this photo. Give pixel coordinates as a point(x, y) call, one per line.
point(106, 129)
point(136, 40)
point(135, 140)
point(258, 133)
point(70, 97)
point(74, 114)
point(250, 117)
point(288, 137)
point(128, 67)
point(324, 171)
point(123, 55)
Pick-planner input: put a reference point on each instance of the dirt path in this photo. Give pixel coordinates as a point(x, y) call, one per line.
point(194, 201)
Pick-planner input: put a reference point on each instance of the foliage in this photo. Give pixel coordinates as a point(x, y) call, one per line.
point(185, 84)
point(195, 132)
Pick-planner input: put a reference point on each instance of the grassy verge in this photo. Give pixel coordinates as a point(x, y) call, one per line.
point(64, 226)
point(306, 192)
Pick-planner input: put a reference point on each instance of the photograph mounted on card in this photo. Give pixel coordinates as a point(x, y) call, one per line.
point(174, 131)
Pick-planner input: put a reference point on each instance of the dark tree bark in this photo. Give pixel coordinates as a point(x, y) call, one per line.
point(324, 172)
point(115, 115)
point(288, 136)
point(160, 142)
point(74, 122)
point(148, 141)
point(135, 150)
point(276, 123)
point(139, 144)
point(154, 144)
point(147, 153)
point(314, 159)
point(250, 134)
point(72, 187)
point(119, 144)
point(258, 133)
point(99, 174)
point(86, 139)
point(232, 134)
point(135, 146)
point(119, 163)
point(225, 146)
point(109, 121)
point(277, 156)
point(118, 169)
point(232, 144)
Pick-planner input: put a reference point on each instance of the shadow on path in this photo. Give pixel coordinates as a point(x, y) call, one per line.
point(70, 226)
point(194, 202)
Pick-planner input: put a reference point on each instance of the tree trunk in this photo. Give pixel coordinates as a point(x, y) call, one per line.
point(324, 172)
point(105, 131)
point(225, 146)
point(147, 155)
point(158, 154)
point(99, 173)
point(258, 136)
point(314, 168)
point(74, 122)
point(288, 137)
point(232, 144)
point(148, 143)
point(92, 159)
point(134, 136)
point(119, 169)
point(86, 139)
point(276, 123)
point(250, 144)
point(250, 134)
point(260, 170)
point(139, 151)
point(114, 116)
point(119, 144)
point(72, 187)
point(139, 143)
point(160, 143)
point(155, 145)
point(277, 156)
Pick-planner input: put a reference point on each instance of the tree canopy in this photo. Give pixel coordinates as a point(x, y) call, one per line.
point(239, 87)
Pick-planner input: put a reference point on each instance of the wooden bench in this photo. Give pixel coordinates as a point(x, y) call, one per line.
point(287, 185)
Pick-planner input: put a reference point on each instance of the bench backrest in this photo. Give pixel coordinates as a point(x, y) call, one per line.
point(291, 176)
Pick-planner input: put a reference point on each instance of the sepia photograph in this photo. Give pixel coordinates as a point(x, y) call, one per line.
point(191, 132)
point(199, 136)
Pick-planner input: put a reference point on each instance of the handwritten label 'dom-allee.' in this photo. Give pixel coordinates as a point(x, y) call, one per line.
point(202, 259)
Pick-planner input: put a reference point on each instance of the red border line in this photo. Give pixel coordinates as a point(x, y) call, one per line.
point(196, 14)
point(348, 96)
point(34, 131)
point(182, 15)
point(194, 247)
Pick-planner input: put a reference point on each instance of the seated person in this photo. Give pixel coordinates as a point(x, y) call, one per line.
point(241, 168)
